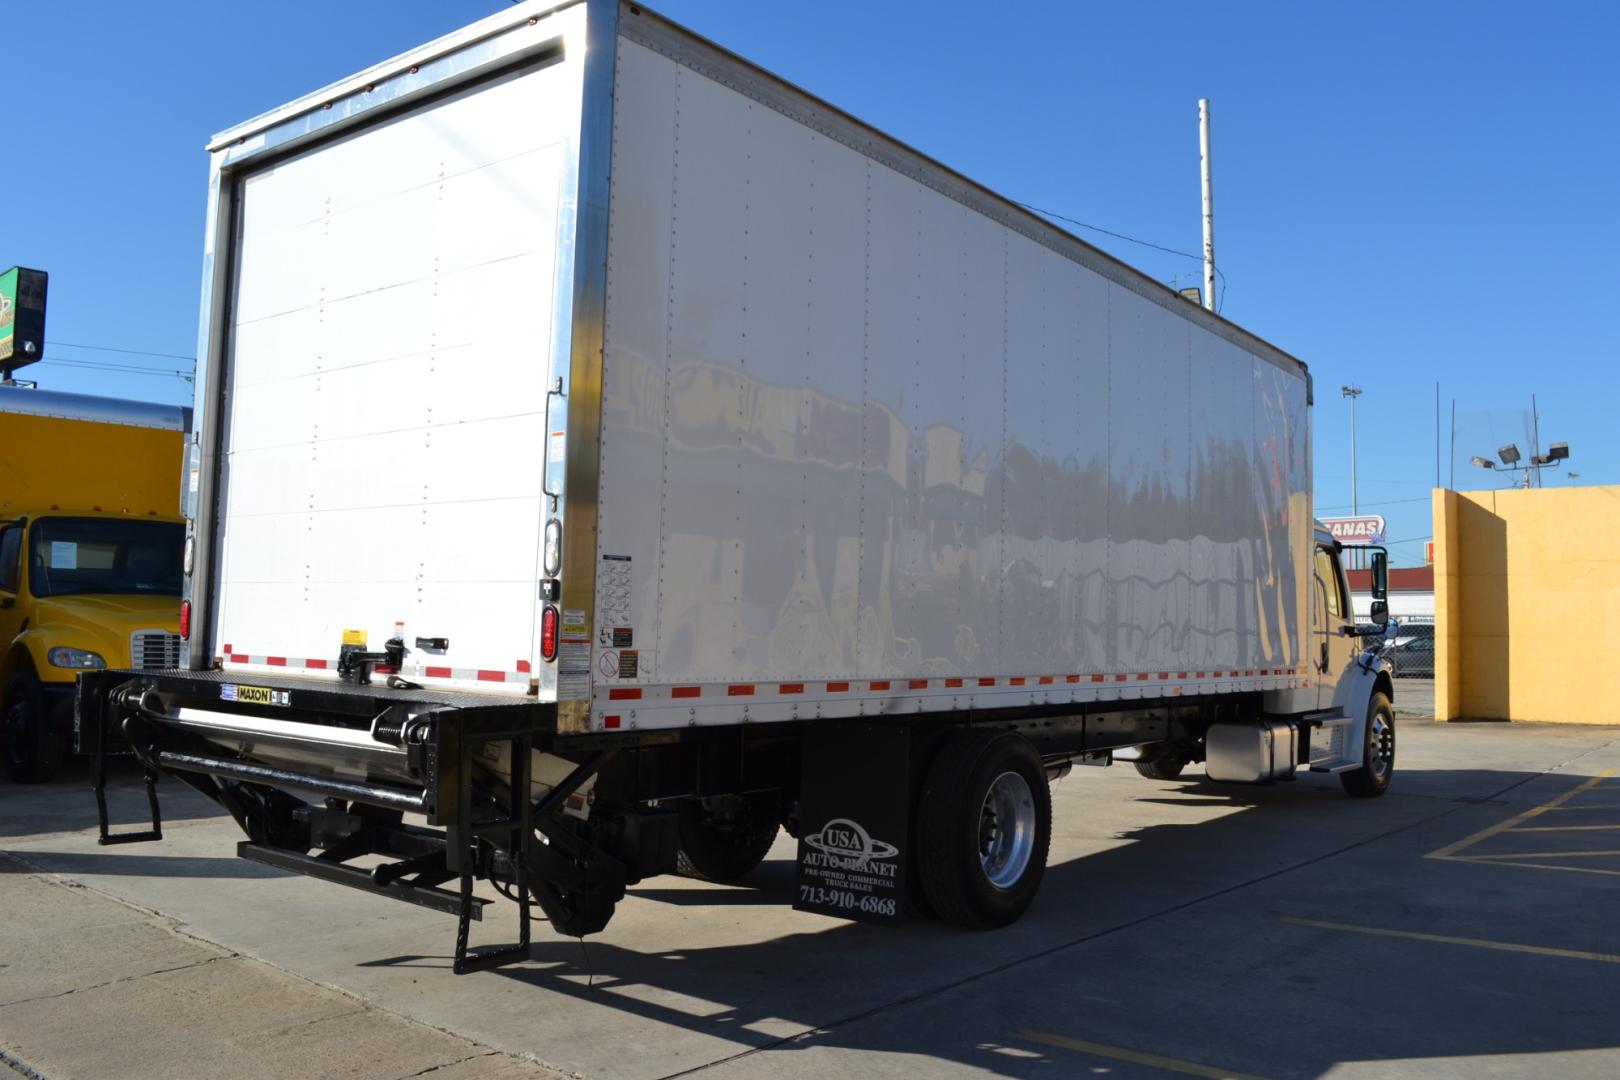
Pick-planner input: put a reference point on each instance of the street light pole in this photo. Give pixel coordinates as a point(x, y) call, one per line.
point(1352, 392)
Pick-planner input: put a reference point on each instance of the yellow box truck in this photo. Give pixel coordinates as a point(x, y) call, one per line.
point(91, 544)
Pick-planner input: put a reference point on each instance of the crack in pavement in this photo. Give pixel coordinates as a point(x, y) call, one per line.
point(115, 982)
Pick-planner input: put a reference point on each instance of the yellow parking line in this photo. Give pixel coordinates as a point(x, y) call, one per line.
point(1135, 1057)
point(1566, 828)
point(1478, 943)
point(1536, 866)
point(1538, 855)
point(1485, 834)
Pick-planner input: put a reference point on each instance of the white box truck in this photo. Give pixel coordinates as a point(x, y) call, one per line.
point(611, 454)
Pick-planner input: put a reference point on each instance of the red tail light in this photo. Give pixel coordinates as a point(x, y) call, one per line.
point(548, 633)
point(185, 619)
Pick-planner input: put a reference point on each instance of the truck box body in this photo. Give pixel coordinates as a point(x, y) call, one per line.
point(831, 429)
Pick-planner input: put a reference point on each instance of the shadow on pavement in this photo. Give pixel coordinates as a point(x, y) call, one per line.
point(1173, 922)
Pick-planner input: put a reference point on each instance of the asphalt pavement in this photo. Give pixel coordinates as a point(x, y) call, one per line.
point(1460, 926)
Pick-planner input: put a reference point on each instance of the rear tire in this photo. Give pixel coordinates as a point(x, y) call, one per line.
point(1167, 767)
point(984, 825)
point(710, 852)
point(1377, 752)
point(34, 745)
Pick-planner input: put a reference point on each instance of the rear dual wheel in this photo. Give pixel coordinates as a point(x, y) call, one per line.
point(984, 826)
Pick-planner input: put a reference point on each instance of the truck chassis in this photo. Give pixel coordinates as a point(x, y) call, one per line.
point(570, 853)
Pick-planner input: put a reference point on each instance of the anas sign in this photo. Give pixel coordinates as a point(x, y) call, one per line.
point(1364, 529)
point(22, 318)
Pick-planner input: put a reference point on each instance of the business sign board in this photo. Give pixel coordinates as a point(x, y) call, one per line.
point(1363, 529)
point(22, 317)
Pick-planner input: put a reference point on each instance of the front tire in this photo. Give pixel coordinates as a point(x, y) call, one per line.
point(1167, 767)
point(711, 852)
point(1377, 753)
point(34, 746)
point(984, 825)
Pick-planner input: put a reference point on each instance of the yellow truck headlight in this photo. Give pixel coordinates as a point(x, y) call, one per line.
point(63, 656)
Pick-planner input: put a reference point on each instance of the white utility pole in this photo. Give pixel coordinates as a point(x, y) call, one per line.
point(1352, 392)
point(1209, 204)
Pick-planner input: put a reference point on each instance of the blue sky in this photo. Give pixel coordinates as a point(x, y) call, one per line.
point(1405, 193)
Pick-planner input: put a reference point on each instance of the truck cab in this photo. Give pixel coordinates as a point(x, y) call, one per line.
point(90, 556)
point(79, 591)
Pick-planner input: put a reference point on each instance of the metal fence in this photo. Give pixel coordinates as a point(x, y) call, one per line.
point(1413, 652)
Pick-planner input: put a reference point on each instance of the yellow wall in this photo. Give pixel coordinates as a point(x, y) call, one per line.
point(1527, 604)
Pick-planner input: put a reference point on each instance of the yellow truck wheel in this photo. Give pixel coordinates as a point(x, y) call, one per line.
point(33, 744)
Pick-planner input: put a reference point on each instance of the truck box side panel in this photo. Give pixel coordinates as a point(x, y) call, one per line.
point(392, 324)
point(867, 449)
point(77, 453)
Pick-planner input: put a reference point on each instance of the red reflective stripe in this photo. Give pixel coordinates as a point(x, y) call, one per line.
point(918, 684)
point(953, 682)
point(492, 676)
point(987, 682)
point(1097, 678)
point(1016, 680)
point(1046, 680)
point(227, 648)
point(319, 665)
point(625, 693)
point(685, 691)
point(881, 684)
point(740, 690)
point(1071, 678)
point(610, 721)
point(1121, 678)
point(438, 673)
point(523, 666)
point(237, 658)
point(837, 687)
point(275, 661)
point(1181, 675)
point(790, 688)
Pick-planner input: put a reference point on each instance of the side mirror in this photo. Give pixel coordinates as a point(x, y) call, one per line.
point(1380, 575)
point(1380, 612)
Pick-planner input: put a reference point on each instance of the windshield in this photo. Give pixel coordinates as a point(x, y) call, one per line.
point(104, 555)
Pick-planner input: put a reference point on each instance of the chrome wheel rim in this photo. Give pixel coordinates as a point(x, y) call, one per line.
point(1381, 746)
point(1006, 830)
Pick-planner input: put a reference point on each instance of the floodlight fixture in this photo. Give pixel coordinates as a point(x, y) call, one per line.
point(1484, 463)
point(1558, 451)
point(1509, 454)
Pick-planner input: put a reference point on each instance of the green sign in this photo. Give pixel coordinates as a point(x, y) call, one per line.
point(22, 317)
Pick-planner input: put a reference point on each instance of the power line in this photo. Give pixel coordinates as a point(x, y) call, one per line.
point(1128, 239)
point(1386, 502)
point(128, 369)
point(129, 352)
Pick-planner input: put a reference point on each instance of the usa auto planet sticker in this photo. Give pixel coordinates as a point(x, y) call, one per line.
point(848, 869)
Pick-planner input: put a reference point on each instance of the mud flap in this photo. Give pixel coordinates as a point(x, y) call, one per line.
point(854, 805)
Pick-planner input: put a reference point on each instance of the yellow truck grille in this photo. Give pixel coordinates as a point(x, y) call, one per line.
point(154, 649)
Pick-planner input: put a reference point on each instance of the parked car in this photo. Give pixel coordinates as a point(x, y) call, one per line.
point(1412, 649)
